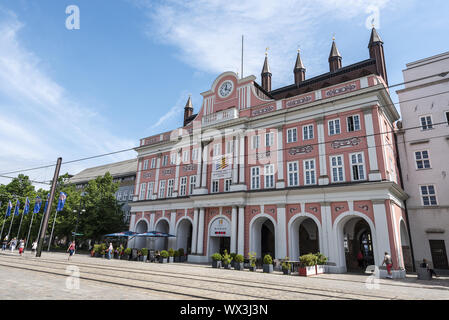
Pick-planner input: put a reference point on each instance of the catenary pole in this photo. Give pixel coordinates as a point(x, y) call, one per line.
point(47, 212)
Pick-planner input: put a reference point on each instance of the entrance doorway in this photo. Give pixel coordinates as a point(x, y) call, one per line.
point(184, 236)
point(439, 256)
point(308, 237)
point(267, 239)
point(219, 244)
point(161, 243)
point(358, 242)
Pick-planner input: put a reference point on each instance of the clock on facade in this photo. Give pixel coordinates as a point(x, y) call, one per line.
point(226, 88)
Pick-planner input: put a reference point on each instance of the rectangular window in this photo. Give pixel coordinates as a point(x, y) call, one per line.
point(194, 154)
point(215, 186)
point(269, 176)
point(357, 166)
point(165, 160)
point(334, 127)
point(162, 189)
point(269, 139)
point(307, 132)
point(170, 188)
point(309, 172)
point(255, 142)
point(119, 196)
point(337, 169)
point(185, 156)
point(145, 164)
point(192, 184)
point(426, 123)
point(172, 158)
point(422, 159)
point(217, 149)
point(142, 191)
point(150, 190)
point(229, 146)
point(353, 123)
point(293, 174)
point(153, 163)
point(428, 195)
point(125, 195)
point(291, 135)
point(183, 186)
point(131, 194)
point(227, 185)
point(255, 178)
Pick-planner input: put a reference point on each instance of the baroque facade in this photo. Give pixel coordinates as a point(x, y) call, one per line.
point(304, 168)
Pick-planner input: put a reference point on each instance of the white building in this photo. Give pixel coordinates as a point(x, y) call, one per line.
point(423, 142)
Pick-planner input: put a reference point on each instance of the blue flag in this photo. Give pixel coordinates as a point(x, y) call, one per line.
point(37, 204)
point(16, 209)
point(8, 209)
point(61, 202)
point(27, 206)
point(46, 203)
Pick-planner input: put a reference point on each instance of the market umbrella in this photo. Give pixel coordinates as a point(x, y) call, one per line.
point(77, 234)
point(155, 234)
point(122, 234)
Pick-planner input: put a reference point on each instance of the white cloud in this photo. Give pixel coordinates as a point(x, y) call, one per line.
point(39, 119)
point(209, 32)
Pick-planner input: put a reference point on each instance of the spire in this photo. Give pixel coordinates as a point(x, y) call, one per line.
point(188, 110)
point(334, 57)
point(266, 74)
point(376, 52)
point(375, 38)
point(299, 70)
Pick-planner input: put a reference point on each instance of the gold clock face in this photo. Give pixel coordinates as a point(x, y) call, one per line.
point(226, 88)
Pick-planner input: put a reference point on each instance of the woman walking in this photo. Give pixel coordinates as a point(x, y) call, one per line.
point(71, 249)
point(21, 246)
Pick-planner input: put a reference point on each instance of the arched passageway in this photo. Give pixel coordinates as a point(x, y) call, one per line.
point(161, 243)
point(184, 235)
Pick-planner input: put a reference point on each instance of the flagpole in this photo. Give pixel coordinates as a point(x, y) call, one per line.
point(20, 224)
point(4, 220)
point(12, 220)
point(29, 230)
point(42, 219)
point(51, 236)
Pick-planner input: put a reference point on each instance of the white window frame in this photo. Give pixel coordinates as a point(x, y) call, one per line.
point(145, 164)
point(354, 123)
point(422, 160)
point(125, 195)
point(183, 186)
point(161, 193)
point(185, 156)
point(334, 121)
point(217, 149)
point(142, 191)
point(195, 154)
point(293, 172)
point(358, 164)
point(255, 142)
point(165, 160)
point(131, 194)
point(255, 178)
point(215, 185)
point(427, 125)
point(342, 166)
point(311, 172)
point(170, 186)
point(153, 163)
point(229, 146)
point(307, 134)
point(269, 139)
point(428, 195)
point(227, 185)
point(269, 176)
point(291, 138)
point(192, 183)
point(150, 190)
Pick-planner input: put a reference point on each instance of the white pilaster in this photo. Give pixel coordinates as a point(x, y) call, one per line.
point(323, 179)
point(151, 221)
point(374, 174)
point(241, 232)
point(281, 240)
point(234, 229)
point(137, 188)
point(235, 161)
point(204, 170)
point(200, 232)
point(280, 184)
point(382, 244)
point(156, 182)
point(242, 159)
point(172, 241)
point(329, 249)
point(178, 165)
point(195, 230)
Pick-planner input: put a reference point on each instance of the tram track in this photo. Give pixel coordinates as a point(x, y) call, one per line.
point(185, 281)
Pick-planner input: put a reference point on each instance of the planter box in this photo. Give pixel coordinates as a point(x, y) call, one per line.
point(216, 264)
point(320, 269)
point(144, 259)
point(171, 259)
point(227, 266)
point(182, 258)
point(163, 260)
point(252, 268)
point(267, 268)
point(286, 271)
point(177, 259)
point(238, 265)
point(307, 271)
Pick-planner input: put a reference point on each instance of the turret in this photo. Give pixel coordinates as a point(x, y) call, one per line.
point(188, 110)
point(334, 58)
point(266, 74)
point(299, 70)
point(376, 51)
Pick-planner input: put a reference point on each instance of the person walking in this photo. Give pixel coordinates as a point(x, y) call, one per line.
point(21, 246)
point(360, 260)
point(5, 243)
point(388, 262)
point(110, 250)
point(71, 249)
point(426, 265)
point(34, 246)
point(12, 244)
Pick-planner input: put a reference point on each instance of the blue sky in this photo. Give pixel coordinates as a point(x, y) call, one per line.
point(127, 72)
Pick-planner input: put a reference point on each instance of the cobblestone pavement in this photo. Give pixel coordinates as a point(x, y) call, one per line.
point(28, 277)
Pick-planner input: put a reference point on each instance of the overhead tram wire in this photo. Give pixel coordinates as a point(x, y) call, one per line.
point(441, 74)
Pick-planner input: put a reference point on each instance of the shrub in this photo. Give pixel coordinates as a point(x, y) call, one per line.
point(267, 259)
point(216, 256)
point(238, 258)
point(181, 252)
point(164, 254)
point(321, 258)
point(176, 254)
point(128, 251)
point(171, 252)
point(226, 258)
point(233, 254)
point(286, 265)
point(252, 258)
point(308, 260)
point(97, 248)
point(144, 251)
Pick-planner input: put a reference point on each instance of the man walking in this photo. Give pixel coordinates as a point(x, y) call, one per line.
point(13, 244)
point(5, 243)
point(388, 262)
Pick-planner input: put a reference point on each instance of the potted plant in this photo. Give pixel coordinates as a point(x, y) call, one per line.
point(320, 263)
point(120, 252)
point(127, 253)
point(267, 264)
point(171, 254)
point(233, 254)
point(252, 261)
point(286, 266)
point(164, 256)
point(97, 250)
point(226, 260)
point(176, 255)
point(216, 260)
point(182, 257)
point(144, 254)
point(238, 262)
point(308, 263)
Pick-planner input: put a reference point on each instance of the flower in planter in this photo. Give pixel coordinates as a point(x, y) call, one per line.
point(226, 259)
point(252, 260)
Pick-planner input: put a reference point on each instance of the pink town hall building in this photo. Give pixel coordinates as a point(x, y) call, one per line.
point(304, 168)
